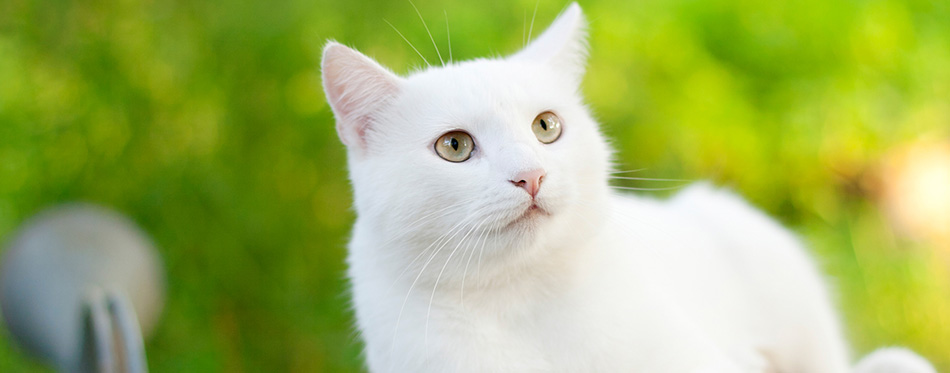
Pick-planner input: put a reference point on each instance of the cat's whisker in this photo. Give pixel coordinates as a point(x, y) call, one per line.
point(649, 189)
point(524, 29)
point(426, 250)
point(409, 230)
point(428, 32)
point(483, 237)
point(408, 42)
point(627, 172)
point(448, 35)
point(642, 189)
point(471, 254)
point(432, 215)
point(533, 15)
point(621, 187)
point(481, 252)
point(422, 270)
point(443, 237)
point(441, 272)
point(646, 179)
point(445, 211)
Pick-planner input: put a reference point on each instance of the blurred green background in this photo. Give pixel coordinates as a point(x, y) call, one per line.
point(205, 122)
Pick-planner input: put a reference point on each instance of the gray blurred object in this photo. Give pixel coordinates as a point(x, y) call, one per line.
point(80, 285)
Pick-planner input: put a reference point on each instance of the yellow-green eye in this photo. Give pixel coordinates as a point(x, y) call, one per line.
point(455, 146)
point(547, 127)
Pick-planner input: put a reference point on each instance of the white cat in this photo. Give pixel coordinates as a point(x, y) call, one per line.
point(488, 240)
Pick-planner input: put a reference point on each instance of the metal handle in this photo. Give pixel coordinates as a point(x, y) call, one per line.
point(112, 339)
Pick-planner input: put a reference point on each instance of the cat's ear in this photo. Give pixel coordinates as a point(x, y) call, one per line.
point(356, 88)
point(563, 45)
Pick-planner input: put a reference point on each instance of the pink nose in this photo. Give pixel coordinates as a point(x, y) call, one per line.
point(529, 180)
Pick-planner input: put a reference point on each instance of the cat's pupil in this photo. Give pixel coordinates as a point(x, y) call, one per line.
point(544, 125)
point(455, 144)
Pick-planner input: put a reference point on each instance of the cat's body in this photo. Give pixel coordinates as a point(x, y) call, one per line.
point(700, 282)
point(499, 247)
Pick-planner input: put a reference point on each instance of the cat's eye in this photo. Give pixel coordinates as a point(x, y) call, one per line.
point(455, 146)
point(547, 127)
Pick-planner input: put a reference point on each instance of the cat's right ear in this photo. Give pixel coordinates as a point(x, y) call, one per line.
point(356, 88)
point(563, 45)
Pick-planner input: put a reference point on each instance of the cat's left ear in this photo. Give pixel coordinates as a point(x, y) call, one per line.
point(563, 45)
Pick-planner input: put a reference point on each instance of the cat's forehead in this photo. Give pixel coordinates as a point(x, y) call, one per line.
point(486, 87)
point(486, 78)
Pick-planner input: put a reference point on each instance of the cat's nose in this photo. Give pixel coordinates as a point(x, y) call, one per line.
point(529, 180)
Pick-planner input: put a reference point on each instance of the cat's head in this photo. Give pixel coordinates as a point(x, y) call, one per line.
point(495, 155)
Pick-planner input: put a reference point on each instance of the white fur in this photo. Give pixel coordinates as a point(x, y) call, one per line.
point(443, 281)
point(894, 360)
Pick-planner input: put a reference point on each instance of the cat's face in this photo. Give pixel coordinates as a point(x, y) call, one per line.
point(498, 156)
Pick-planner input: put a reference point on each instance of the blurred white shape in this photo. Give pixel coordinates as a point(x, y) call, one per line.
point(894, 360)
point(56, 259)
point(916, 190)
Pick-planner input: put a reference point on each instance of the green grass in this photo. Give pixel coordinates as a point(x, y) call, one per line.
point(205, 122)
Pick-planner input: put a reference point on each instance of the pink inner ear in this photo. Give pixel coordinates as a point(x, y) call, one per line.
point(354, 133)
point(356, 88)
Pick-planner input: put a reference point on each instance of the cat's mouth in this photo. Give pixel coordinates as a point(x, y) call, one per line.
point(530, 215)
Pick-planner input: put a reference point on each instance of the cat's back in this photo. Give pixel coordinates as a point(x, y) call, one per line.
point(745, 279)
point(768, 257)
point(705, 226)
point(671, 245)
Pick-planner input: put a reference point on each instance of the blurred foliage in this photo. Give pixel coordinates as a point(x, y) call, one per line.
point(206, 123)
